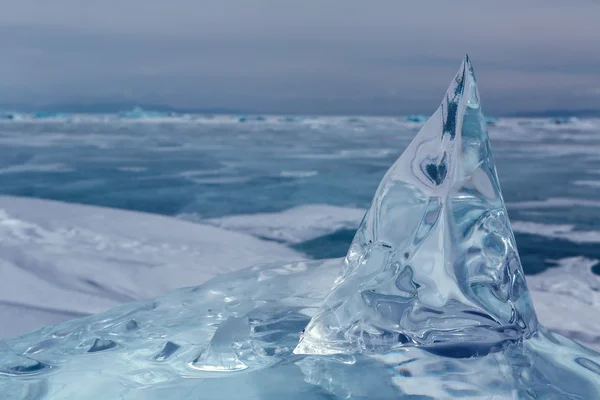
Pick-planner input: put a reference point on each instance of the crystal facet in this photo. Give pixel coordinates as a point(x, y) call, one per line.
point(434, 262)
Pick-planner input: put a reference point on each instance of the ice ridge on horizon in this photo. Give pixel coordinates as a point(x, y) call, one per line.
point(434, 261)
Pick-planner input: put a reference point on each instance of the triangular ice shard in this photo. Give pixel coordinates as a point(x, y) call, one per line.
point(434, 262)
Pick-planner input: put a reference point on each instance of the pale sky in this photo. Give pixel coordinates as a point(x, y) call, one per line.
point(308, 56)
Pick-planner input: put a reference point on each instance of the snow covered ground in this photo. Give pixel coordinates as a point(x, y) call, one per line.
point(567, 299)
point(60, 261)
point(294, 225)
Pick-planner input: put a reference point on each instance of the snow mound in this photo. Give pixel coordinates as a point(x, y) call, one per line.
point(62, 261)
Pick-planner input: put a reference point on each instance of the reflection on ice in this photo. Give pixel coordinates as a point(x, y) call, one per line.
point(223, 351)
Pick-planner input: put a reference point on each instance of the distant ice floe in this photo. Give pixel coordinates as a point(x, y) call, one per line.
point(509, 126)
point(60, 261)
point(294, 225)
point(132, 169)
point(298, 174)
point(558, 123)
point(420, 119)
point(372, 153)
point(554, 202)
point(556, 231)
point(139, 113)
point(17, 169)
point(225, 180)
point(588, 183)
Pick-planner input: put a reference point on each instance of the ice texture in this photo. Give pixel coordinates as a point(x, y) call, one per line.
point(233, 338)
point(434, 261)
point(431, 304)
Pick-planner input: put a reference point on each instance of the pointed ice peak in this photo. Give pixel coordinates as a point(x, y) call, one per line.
point(434, 261)
point(463, 87)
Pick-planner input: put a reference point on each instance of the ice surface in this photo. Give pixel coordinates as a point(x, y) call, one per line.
point(237, 326)
point(233, 338)
point(436, 241)
point(434, 261)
